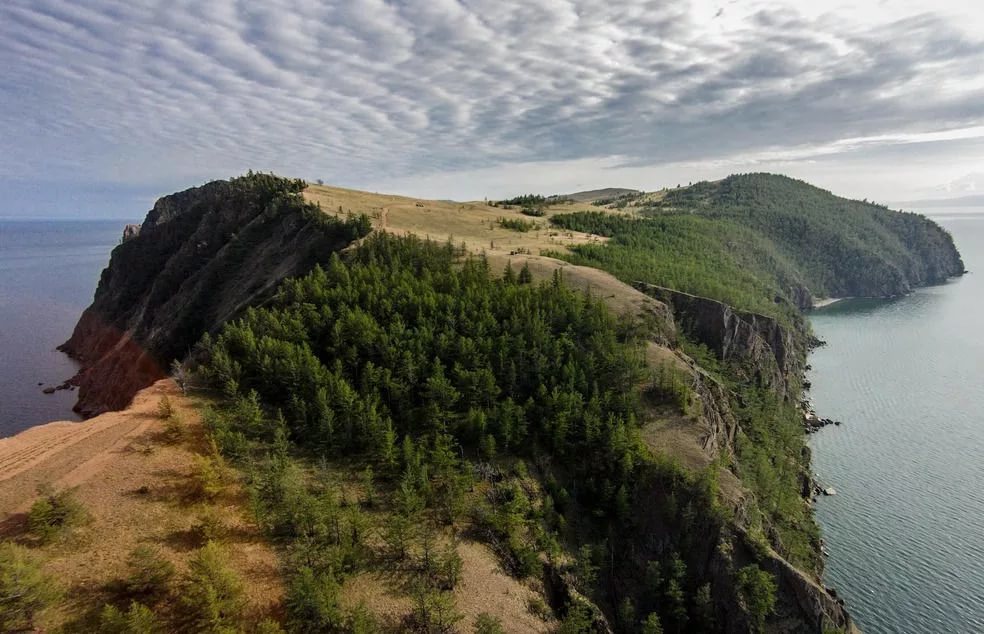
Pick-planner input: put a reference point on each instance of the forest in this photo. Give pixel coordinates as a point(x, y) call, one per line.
point(840, 247)
point(472, 403)
point(716, 259)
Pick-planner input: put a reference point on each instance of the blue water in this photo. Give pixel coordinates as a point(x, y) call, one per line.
point(48, 274)
point(906, 530)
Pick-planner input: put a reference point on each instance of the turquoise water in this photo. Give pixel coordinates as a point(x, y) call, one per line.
point(906, 529)
point(48, 274)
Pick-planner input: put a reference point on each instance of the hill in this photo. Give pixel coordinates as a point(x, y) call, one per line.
point(840, 247)
point(766, 243)
point(593, 195)
point(538, 413)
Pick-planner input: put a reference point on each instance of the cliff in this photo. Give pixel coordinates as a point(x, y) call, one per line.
point(199, 258)
point(759, 346)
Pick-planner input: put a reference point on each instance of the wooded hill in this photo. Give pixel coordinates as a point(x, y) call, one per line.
point(767, 243)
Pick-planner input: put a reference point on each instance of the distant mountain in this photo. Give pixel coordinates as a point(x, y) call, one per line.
point(599, 194)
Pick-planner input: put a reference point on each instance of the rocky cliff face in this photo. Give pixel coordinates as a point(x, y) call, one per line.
point(767, 352)
point(200, 257)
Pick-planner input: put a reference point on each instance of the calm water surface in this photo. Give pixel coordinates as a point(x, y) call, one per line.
point(906, 529)
point(48, 274)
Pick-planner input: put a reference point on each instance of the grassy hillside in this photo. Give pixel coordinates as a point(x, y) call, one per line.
point(717, 259)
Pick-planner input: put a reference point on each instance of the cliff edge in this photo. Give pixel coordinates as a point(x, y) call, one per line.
point(200, 257)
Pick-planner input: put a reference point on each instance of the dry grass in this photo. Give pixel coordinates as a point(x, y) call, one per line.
point(474, 224)
point(484, 587)
point(137, 489)
point(471, 223)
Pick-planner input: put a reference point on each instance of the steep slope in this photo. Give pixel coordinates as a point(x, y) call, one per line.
point(199, 258)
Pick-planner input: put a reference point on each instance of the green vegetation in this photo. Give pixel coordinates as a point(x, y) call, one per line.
point(526, 201)
point(174, 427)
point(238, 227)
point(54, 513)
point(488, 624)
point(150, 574)
point(840, 247)
point(402, 329)
point(716, 259)
point(764, 243)
point(138, 619)
point(772, 463)
point(411, 367)
point(212, 598)
point(757, 590)
point(24, 589)
point(516, 224)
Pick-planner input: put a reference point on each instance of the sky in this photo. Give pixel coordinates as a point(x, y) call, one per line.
point(106, 105)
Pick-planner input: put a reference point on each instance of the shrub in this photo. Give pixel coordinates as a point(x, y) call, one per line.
point(174, 427)
point(139, 619)
point(313, 603)
point(213, 595)
point(24, 589)
point(652, 624)
point(757, 589)
point(517, 224)
point(433, 611)
point(539, 608)
point(165, 409)
point(362, 621)
point(488, 624)
point(526, 561)
point(53, 513)
point(150, 573)
point(209, 477)
point(268, 626)
point(585, 570)
point(579, 619)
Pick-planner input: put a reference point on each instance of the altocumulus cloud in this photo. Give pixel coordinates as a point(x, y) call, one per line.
point(370, 92)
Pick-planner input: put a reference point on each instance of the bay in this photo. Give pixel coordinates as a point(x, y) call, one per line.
point(906, 376)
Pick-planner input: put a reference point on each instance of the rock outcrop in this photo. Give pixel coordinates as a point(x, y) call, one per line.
point(130, 232)
point(771, 354)
point(200, 257)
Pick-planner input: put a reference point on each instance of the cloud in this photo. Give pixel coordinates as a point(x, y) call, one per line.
point(364, 92)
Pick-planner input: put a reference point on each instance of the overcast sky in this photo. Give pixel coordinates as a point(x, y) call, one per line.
point(104, 105)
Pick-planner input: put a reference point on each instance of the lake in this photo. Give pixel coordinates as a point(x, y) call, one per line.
point(906, 376)
point(48, 274)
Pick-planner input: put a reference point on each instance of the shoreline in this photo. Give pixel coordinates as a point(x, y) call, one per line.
point(828, 301)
